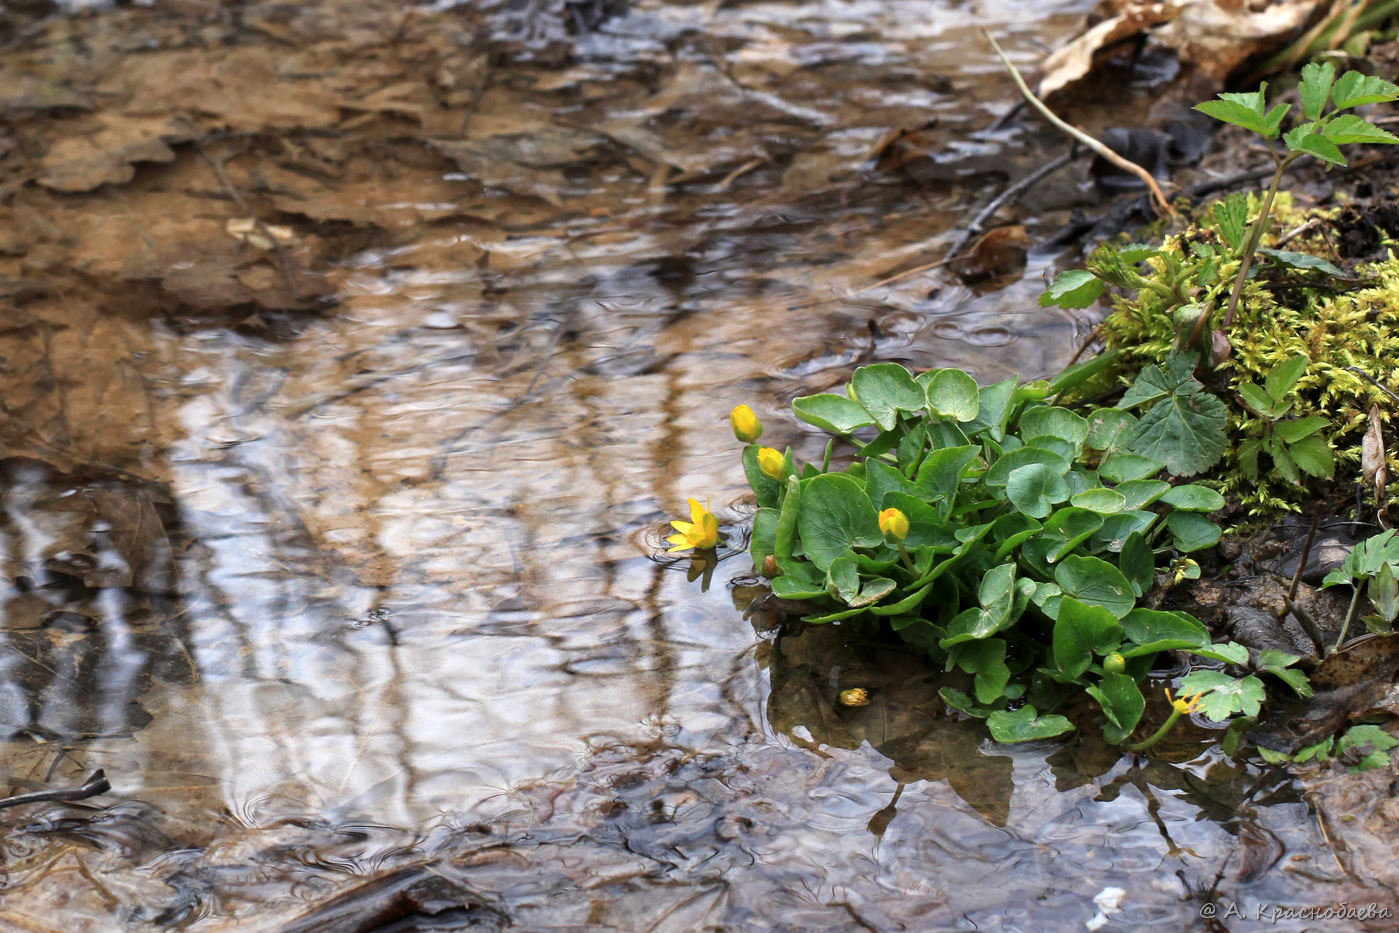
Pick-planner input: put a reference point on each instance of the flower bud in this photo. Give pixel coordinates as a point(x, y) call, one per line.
point(770, 461)
point(746, 425)
point(893, 524)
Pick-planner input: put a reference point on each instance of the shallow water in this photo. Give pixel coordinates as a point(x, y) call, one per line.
point(342, 556)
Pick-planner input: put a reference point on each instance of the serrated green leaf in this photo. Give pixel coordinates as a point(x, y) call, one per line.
point(1076, 288)
point(1025, 725)
point(1348, 128)
point(1231, 653)
point(1312, 455)
point(1231, 220)
point(1185, 432)
point(1353, 89)
point(1224, 695)
point(1284, 376)
point(1231, 111)
point(1315, 87)
point(1294, 431)
point(1304, 261)
point(1305, 138)
point(1256, 398)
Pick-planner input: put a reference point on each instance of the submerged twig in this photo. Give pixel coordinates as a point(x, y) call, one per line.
point(96, 783)
point(1158, 199)
point(1006, 197)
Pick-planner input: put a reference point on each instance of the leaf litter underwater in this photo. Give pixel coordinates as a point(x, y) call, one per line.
point(356, 354)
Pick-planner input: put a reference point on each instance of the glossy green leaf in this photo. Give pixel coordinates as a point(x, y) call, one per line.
point(951, 393)
point(1125, 467)
point(984, 658)
point(831, 412)
point(1009, 530)
point(1109, 429)
point(1137, 563)
point(1080, 631)
point(785, 534)
point(1053, 421)
point(835, 516)
point(941, 474)
point(1069, 528)
point(1122, 704)
point(1035, 488)
point(762, 541)
point(1257, 399)
point(884, 390)
point(1192, 531)
point(993, 411)
point(1025, 725)
point(1096, 582)
point(1139, 493)
point(1102, 500)
point(999, 473)
point(1152, 630)
point(1193, 498)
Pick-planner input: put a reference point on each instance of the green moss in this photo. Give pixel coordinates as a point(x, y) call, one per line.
point(1336, 324)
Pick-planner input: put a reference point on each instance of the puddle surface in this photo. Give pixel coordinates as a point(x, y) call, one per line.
point(358, 354)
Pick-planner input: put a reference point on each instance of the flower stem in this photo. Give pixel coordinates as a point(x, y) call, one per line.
point(1156, 736)
point(908, 561)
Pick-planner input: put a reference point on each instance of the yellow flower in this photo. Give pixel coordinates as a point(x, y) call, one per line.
point(893, 524)
point(770, 461)
point(1185, 704)
point(701, 531)
point(746, 425)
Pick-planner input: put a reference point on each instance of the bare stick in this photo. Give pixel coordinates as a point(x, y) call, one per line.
point(1158, 199)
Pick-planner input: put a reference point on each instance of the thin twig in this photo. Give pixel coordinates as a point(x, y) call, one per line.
point(96, 783)
point(1306, 552)
point(1158, 199)
point(1007, 196)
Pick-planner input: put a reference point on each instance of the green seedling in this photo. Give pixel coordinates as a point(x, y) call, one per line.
point(1294, 445)
point(1325, 128)
point(1374, 562)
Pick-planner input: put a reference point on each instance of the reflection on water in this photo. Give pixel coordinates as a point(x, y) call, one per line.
point(337, 553)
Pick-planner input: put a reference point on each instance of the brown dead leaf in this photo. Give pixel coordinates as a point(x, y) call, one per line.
point(1215, 36)
point(1372, 464)
point(101, 150)
point(997, 252)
